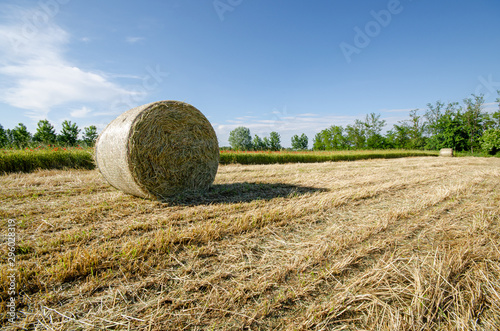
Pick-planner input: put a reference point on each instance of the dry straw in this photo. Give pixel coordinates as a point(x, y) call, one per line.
point(448, 152)
point(158, 150)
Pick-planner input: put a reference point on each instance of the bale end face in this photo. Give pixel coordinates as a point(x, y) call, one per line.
point(446, 152)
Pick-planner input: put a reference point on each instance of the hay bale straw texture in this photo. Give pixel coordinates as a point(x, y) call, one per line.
point(159, 150)
point(447, 152)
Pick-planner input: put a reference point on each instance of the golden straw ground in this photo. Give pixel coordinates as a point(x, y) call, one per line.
point(400, 244)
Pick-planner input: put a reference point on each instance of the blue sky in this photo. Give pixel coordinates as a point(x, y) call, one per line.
point(287, 66)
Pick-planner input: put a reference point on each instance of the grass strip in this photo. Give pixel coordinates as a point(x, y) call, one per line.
point(313, 157)
point(28, 161)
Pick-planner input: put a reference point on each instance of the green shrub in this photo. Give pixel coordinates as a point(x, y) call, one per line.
point(491, 141)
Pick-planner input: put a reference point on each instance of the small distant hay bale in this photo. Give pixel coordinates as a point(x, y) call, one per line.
point(159, 150)
point(447, 152)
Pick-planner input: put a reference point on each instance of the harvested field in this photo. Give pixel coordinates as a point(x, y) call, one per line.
point(397, 244)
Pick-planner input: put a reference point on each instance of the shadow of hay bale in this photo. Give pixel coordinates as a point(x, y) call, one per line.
point(240, 192)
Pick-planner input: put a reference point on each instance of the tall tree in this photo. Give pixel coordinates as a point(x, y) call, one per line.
point(473, 120)
point(300, 143)
point(90, 135)
point(331, 138)
point(266, 143)
point(21, 136)
point(318, 143)
point(45, 133)
point(416, 126)
point(452, 133)
point(4, 140)
point(496, 115)
point(69, 133)
point(274, 141)
point(432, 115)
point(445, 127)
point(240, 139)
point(258, 144)
point(490, 141)
point(373, 131)
point(399, 136)
point(356, 135)
point(10, 136)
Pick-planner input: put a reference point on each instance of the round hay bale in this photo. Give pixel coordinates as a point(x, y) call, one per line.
point(447, 152)
point(158, 150)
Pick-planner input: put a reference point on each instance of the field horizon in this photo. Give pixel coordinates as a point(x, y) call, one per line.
point(385, 244)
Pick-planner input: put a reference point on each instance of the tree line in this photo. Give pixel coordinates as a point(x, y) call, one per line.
point(466, 127)
point(20, 137)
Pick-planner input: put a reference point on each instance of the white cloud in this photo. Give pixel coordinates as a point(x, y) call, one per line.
point(311, 122)
point(288, 124)
point(81, 112)
point(491, 107)
point(133, 40)
point(37, 75)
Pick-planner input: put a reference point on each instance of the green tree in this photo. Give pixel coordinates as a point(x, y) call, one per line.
point(331, 138)
point(473, 119)
point(21, 136)
point(373, 131)
point(452, 133)
point(266, 143)
point(258, 144)
point(399, 136)
point(305, 141)
point(318, 143)
point(300, 143)
point(69, 133)
point(45, 133)
point(432, 115)
point(496, 119)
point(415, 129)
point(356, 135)
point(240, 139)
point(376, 141)
point(496, 115)
point(10, 136)
point(445, 129)
point(274, 141)
point(4, 140)
point(90, 135)
point(490, 141)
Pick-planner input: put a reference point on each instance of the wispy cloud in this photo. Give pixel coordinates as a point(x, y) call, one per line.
point(287, 124)
point(38, 76)
point(81, 112)
point(491, 107)
point(291, 124)
point(133, 40)
point(407, 111)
